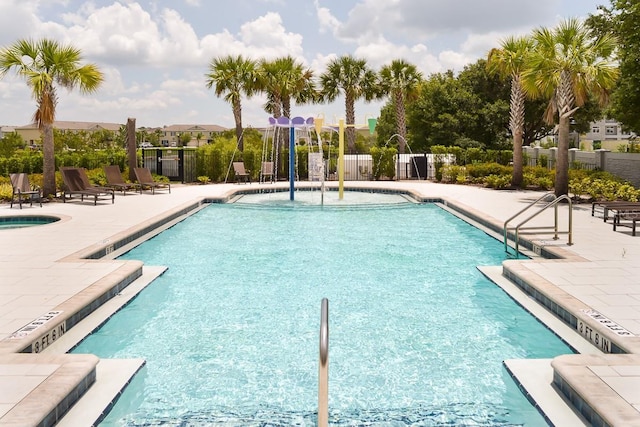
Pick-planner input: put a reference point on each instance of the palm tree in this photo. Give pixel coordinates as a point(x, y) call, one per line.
point(401, 80)
point(199, 137)
point(232, 77)
point(355, 80)
point(46, 64)
point(566, 66)
point(283, 79)
point(509, 62)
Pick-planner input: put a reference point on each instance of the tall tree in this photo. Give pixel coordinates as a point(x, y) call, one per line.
point(509, 61)
point(285, 79)
point(233, 76)
point(46, 64)
point(566, 65)
point(355, 80)
point(621, 20)
point(401, 81)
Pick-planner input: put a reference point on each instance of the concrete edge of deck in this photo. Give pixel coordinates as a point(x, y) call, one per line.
point(567, 377)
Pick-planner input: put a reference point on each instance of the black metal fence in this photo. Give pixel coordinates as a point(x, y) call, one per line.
point(183, 163)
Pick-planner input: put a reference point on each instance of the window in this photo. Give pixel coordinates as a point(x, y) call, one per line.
point(611, 130)
point(595, 129)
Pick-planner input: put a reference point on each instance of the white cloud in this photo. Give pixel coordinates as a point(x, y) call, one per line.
point(154, 57)
point(267, 37)
point(326, 20)
point(456, 61)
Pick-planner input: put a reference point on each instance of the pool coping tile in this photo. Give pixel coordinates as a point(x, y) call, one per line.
point(89, 237)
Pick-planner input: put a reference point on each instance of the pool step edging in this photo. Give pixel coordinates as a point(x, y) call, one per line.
point(581, 378)
point(569, 309)
point(112, 378)
point(65, 379)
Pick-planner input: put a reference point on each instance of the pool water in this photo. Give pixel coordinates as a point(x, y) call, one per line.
point(230, 331)
point(22, 221)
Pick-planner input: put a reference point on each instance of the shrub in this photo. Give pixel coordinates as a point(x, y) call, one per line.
point(383, 162)
point(453, 173)
point(479, 170)
point(497, 181)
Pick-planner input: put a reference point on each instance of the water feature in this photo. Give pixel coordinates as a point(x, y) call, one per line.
point(230, 331)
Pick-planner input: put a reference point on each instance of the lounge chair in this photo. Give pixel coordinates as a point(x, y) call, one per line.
point(240, 172)
point(145, 179)
point(76, 182)
point(23, 190)
point(115, 180)
point(266, 172)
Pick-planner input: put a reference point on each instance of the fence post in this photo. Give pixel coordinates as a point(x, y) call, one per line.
point(601, 159)
point(553, 156)
point(572, 155)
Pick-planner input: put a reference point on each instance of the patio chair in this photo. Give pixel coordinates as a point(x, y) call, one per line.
point(240, 172)
point(115, 180)
point(145, 179)
point(22, 190)
point(266, 172)
point(76, 182)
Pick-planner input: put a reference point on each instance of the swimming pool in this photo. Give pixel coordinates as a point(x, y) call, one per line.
point(23, 221)
point(230, 331)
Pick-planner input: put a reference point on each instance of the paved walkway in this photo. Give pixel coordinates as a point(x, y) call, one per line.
point(45, 279)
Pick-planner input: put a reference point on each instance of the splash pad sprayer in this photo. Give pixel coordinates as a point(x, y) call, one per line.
point(292, 124)
point(319, 122)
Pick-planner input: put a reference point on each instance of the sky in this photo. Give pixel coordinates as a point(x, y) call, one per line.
point(155, 54)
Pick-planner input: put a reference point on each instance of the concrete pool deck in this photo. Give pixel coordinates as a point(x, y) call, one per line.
point(53, 276)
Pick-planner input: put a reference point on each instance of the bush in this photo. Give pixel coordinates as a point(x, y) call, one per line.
point(497, 181)
point(383, 162)
point(479, 170)
point(453, 173)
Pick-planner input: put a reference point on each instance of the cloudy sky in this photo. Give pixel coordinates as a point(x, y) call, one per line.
point(154, 54)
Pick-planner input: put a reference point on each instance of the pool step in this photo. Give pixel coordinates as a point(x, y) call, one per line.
point(113, 375)
point(535, 378)
point(38, 389)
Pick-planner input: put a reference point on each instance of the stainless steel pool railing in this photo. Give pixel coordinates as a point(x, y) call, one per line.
point(323, 368)
point(539, 230)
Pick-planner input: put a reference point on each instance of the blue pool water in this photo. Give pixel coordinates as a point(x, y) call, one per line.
point(230, 331)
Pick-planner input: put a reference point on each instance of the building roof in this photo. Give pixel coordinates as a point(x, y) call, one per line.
point(194, 128)
point(86, 126)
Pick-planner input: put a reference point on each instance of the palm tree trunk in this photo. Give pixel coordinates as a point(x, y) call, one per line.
point(516, 123)
point(237, 115)
point(49, 161)
point(401, 123)
point(132, 155)
point(566, 101)
point(516, 178)
point(351, 119)
point(562, 161)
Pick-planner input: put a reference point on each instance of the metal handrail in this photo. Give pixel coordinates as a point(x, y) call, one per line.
point(554, 204)
point(323, 368)
point(529, 206)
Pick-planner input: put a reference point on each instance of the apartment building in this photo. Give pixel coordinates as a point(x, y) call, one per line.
point(169, 136)
point(199, 134)
point(31, 133)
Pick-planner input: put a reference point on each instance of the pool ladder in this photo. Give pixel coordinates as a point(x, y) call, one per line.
point(323, 368)
point(519, 229)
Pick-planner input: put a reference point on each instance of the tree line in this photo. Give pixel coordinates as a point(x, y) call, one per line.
point(525, 88)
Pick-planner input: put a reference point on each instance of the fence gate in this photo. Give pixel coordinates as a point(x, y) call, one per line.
point(177, 164)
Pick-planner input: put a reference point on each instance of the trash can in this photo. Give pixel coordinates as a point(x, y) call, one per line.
point(419, 167)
